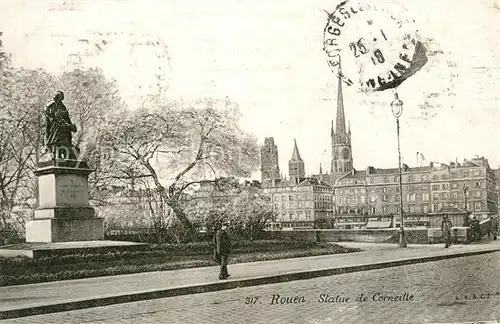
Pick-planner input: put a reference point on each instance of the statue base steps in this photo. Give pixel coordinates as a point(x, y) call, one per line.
point(64, 230)
point(44, 250)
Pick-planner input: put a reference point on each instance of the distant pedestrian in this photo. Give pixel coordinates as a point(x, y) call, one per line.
point(222, 244)
point(476, 229)
point(446, 231)
point(493, 227)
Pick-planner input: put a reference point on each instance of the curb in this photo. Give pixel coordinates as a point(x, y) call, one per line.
point(223, 285)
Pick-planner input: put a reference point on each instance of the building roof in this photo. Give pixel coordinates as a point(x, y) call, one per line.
point(354, 174)
point(312, 182)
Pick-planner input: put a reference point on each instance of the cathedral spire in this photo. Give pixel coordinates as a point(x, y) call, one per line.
point(320, 169)
point(296, 154)
point(340, 127)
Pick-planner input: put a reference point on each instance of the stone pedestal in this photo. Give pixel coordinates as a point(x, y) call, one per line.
point(64, 213)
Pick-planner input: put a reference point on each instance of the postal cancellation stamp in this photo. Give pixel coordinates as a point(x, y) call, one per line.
point(373, 47)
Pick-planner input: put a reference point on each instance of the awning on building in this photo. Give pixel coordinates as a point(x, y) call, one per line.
point(378, 224)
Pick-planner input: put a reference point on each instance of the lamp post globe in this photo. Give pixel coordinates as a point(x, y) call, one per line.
point(397, 106)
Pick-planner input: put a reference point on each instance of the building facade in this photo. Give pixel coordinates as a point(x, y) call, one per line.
point(364, 197)
point(497, 177)
point(300, 201)
point(302, 205)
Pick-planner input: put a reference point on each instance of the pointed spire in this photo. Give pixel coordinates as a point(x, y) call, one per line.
point(295, 154)
point(340, 127)
point(349, 127)
point(333, 131)
point(320, 169)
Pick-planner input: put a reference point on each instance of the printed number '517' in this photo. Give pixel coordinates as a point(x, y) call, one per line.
point(251, 300)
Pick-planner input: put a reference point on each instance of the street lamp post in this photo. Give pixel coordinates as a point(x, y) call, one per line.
point(466, 219)
point(397, 110)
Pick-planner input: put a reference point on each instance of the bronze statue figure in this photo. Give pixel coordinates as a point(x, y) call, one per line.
point(58, 129)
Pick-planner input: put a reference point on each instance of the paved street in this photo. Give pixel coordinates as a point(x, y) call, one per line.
point(453, 290)
point(31, 296)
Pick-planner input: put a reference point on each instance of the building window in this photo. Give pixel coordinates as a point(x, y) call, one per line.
point(290, 205)
point(395, 178)
point(435, 187)
point(425, 196)
point(435, 196)
point(466, 174)
point(424, 177)
point(290, 216)
point(454, 185)
point(283, 198)
point(477, 205)
point(412, 209)
point(372, 180)
point(425, 209)
point(410, 178)
point(445, 187)
point(290, 198)
point(477, 172)
point(436, 208)
point(300, 205)
point(478, 184)
point(283, 205)
point(434, 177)
point(385, 198)
point(386, 211)
point(478, 194)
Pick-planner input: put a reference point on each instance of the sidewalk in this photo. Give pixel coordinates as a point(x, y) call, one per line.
point(26, 300)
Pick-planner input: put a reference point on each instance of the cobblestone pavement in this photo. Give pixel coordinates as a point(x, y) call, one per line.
point(67, 291)
point(455, 290)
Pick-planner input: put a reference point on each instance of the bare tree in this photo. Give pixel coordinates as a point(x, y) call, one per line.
point(91, 98)
point(20, 128)
point(179, 144)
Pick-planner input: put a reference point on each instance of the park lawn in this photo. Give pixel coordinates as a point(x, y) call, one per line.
point(20, 271)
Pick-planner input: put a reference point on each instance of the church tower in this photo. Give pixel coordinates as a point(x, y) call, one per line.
point(341, 140)
point(296, 165)
point(269, 161)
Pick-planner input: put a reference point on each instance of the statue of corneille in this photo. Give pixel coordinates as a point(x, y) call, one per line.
point(58, 129)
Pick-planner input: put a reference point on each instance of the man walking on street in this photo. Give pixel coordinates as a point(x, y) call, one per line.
point(222, 249)
point(446, 231)
point(494, 227)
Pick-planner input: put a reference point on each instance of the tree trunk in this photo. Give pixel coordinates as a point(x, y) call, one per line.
point(181, 216)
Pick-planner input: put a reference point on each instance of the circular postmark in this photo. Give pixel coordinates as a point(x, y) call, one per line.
point(373, 47)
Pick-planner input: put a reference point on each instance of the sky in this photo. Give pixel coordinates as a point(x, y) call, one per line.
point(267, 55)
